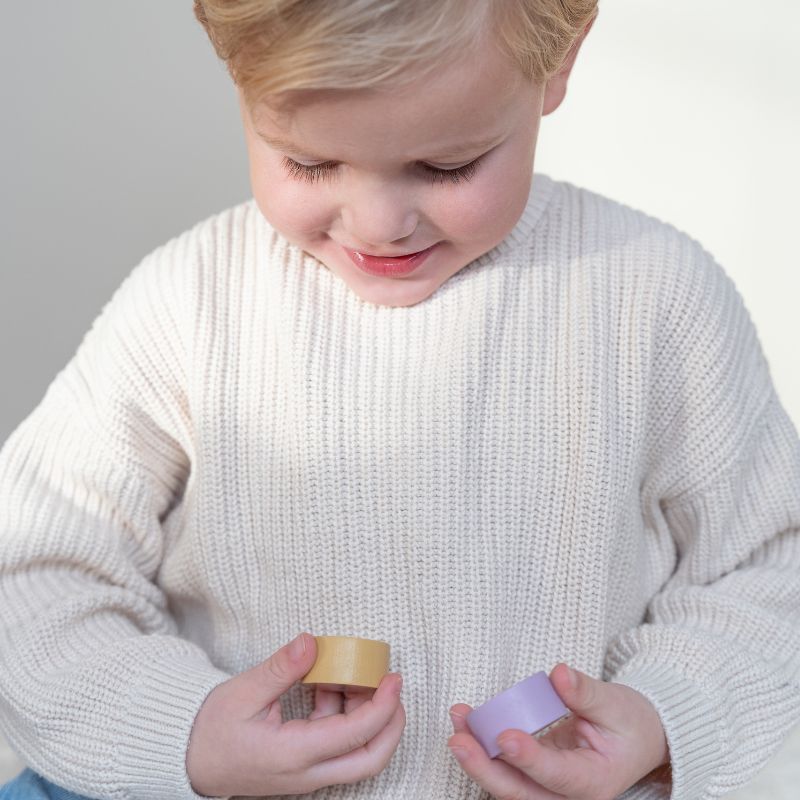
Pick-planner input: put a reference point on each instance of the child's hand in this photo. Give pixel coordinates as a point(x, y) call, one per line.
point(613, 738)
point(240, 744)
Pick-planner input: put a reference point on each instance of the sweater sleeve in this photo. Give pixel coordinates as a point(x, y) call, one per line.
point(718, 652)
point(98, 693)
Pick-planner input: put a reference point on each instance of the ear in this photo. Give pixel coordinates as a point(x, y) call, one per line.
point(556, 87)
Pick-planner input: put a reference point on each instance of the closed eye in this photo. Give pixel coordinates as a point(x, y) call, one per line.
point(309, 173)
point(456, 175)
point(312, 173)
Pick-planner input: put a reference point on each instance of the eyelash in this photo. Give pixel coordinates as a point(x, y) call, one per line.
point(325, 171)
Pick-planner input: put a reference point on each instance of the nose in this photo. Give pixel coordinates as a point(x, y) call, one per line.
point(378, 216)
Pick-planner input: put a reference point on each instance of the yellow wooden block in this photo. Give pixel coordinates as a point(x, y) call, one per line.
point(344, 661)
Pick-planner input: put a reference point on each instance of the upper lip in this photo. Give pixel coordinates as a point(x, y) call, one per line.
point(389, 255)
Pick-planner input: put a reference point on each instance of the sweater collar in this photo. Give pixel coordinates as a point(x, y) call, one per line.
point(541, 192)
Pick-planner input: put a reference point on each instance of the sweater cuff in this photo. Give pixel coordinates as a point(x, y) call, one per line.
point(694, 730)
point(154, 737)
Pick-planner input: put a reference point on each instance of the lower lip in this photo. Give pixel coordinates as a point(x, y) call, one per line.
point(389, 267)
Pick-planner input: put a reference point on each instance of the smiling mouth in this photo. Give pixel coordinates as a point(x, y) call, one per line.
point(389, 266)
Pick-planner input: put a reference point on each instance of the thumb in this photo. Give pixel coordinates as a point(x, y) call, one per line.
point(259, 686)
point(585, 696)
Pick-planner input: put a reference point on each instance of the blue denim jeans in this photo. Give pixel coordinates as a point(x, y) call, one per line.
point(30, 786)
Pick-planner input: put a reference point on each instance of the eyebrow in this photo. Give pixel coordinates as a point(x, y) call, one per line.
point(477, 145)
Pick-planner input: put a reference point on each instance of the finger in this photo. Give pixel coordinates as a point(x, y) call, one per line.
point(576, 732)
point(320, 739)
point(353, 698)
point(493, 774)
point(578, 772)
point(365, 761)
point(567, 735)
point(587, 697)
point(326, 702)
point(256, 688)
point(458, 716)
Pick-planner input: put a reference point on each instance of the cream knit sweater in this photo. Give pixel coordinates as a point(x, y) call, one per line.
point(572, 450)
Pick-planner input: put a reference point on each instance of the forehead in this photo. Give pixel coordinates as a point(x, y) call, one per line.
point(481, 96)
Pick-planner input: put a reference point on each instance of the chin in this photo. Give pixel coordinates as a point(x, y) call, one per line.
point(398, 294)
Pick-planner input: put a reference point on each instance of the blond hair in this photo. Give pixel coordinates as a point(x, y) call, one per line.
point(274, 49)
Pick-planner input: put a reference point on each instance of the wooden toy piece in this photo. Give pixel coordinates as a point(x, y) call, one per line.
point(348, 661)
point(530, 705)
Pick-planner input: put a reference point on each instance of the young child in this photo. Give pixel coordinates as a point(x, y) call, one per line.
point(409, 391)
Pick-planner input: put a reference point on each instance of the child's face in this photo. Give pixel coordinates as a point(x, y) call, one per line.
point(382, 189)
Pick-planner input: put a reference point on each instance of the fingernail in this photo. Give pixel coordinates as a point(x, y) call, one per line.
point(509, 746)
point(573, 678)
point(455, 718)
point(460, 753)
point(297, 648)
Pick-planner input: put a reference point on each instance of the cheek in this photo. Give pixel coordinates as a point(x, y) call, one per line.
point(486, 208)
point(296, 209)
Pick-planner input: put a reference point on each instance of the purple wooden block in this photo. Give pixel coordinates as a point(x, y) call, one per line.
point(530, 705)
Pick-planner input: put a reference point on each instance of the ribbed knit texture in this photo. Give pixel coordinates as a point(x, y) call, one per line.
point(572, 451)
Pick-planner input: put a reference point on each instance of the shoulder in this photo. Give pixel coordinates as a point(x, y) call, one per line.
point(707, 378)
point(162, 293)
point(199, 259)
point(210, 240)
point(627, 247)
point(621, 232)
point(673, 286)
